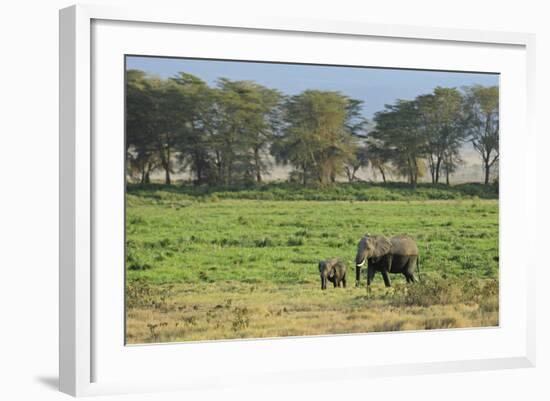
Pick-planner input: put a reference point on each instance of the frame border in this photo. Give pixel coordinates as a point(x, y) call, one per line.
point(75, 172)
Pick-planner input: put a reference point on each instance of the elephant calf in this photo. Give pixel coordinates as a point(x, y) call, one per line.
point(333, 270)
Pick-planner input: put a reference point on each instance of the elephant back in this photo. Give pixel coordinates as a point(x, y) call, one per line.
point(403, 245)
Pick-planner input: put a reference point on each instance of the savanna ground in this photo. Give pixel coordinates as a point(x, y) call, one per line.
point(207, 263)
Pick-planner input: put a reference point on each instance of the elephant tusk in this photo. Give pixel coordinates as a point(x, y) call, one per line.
point(362, 263)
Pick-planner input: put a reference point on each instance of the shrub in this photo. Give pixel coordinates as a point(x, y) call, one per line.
point(139, 266)
point(134, 263)
point(140, 293)
point(302, 233)
point(295, 241)
point(173, 195)
point(444, 291)
point(263, 242)
point(241, 318)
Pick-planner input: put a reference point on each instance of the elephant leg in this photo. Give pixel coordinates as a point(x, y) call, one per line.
point(386, 277)
point(410, 270)
point(344, 281)
point(386, 270)
point(370, 275)
point(407, 277)
point(335, 282)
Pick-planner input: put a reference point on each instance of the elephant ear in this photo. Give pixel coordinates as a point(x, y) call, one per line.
point(380, 245)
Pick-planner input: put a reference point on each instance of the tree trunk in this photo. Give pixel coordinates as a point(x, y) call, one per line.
point(432, 167)
point(148, 169)
point(350, 173)
point(219, 167)
point(414, 172)
point(487, 170)
point(142, 181)
point(198, 168)
point(410, 172)
point(437, 169)
point(167, 178)
point(257, 165)
point(229, 178)
point(383, 174)
point(165, 162)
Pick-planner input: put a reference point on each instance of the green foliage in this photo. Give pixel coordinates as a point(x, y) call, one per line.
point(184, 196)
point(444, 125)
point(482, 109)
point(398, 131)
point(223, 134)
point(318, 136)
point(247, 114)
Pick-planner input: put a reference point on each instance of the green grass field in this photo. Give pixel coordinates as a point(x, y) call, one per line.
point(214, 264)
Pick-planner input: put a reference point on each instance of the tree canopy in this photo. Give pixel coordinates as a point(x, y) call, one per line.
point(235, 132)
point(318, 136)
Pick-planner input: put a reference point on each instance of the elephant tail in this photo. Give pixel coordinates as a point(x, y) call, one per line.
point(418, 266)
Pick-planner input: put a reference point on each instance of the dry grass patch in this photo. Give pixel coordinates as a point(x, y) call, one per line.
point(217, 311)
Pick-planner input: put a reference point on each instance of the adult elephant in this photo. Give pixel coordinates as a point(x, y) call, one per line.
point(397, 254)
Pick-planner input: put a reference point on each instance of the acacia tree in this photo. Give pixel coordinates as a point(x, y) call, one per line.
point(247, 116)
point(442, 120)
point(167, 124)
point(379, 157)
point(194, 112)
point(398, 132)
point(359, 159)
point(451, 161)
point(318, 136)
point(141, 153)
point(262, 121)
point(481, 106)
point(222, 134)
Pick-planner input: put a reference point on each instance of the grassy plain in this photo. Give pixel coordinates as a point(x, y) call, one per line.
point(206, 264)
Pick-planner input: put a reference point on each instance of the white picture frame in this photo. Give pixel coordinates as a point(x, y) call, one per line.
point(85, 329)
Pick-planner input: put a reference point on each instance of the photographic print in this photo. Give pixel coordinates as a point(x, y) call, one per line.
point(269, 200)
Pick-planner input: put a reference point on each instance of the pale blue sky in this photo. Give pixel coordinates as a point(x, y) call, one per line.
point(374, 86)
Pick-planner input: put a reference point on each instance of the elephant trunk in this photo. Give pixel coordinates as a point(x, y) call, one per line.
point(360, 260)
point(357, 275)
